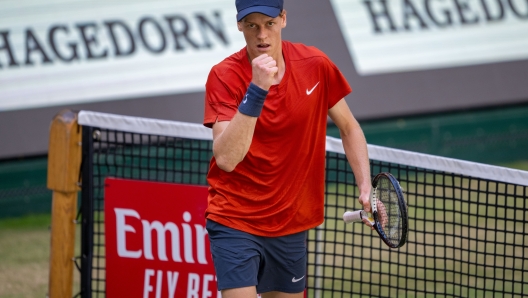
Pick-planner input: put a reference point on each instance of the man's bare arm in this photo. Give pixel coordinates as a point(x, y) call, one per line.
point(355, 146)
point(232, 139)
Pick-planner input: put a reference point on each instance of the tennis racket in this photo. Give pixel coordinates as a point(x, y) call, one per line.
point(388, 208)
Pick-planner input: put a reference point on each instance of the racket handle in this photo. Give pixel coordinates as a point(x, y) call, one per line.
point(354, 216)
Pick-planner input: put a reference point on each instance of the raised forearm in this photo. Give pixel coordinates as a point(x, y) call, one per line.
point(232, 139)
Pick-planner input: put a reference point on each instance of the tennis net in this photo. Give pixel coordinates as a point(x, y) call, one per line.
point(468, 229)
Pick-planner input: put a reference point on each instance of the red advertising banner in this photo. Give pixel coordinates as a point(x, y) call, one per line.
point(156, 241)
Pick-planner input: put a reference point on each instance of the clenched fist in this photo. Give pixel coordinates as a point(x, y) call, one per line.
point(264, 70)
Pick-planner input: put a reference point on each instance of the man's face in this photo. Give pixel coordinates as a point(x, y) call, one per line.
point(263, 34)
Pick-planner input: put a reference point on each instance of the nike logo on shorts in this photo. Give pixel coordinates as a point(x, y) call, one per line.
point(308, 92)
point(297, 279)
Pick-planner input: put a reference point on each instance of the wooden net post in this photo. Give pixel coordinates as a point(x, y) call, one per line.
point(64, 161)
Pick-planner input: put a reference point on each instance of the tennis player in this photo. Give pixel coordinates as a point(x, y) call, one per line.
point(268, 105)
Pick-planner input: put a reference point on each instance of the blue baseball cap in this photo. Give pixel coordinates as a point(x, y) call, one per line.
point(271, 8)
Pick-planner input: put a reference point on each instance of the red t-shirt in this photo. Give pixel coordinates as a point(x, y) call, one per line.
point(278, 188)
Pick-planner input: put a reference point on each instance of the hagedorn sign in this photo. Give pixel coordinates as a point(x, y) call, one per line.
point(71, 52)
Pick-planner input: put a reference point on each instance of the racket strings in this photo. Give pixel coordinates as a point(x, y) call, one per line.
point(388, 196)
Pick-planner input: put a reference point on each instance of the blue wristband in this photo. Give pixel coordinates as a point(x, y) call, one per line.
point(253, 101)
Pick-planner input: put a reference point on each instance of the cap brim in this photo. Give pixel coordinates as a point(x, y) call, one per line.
point(269, 11)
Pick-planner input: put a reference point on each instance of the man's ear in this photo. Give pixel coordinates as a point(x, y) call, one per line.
point(239, 26)
point(283, 18)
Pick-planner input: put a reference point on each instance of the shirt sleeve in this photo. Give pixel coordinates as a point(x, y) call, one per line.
point(220, 103)
point(337, 87)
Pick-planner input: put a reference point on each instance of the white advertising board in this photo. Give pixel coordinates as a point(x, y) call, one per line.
point(385, 36)
point(60, 52)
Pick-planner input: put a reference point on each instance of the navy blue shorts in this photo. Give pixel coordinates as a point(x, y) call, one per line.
point(270, 264)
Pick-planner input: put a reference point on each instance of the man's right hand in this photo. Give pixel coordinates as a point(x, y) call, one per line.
point(264, 71)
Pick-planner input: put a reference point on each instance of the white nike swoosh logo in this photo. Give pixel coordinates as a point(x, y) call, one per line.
point(308, 92)
point(245, 100)
point(297, 279)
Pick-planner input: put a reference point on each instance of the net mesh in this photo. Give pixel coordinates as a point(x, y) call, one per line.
point(467, 235)
point(133, 156)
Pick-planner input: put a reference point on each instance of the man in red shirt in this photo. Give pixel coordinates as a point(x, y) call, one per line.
point(268, 106)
